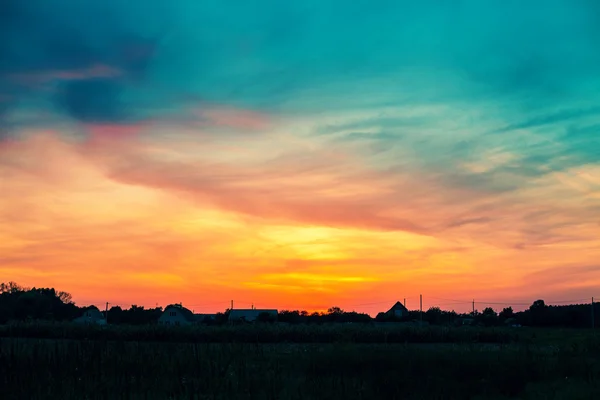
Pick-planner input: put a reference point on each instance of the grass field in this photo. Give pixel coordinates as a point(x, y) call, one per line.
point(548, 365)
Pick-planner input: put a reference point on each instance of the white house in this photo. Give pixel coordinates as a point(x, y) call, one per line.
point(91, 315)
point(250, 315)
point(177, 315)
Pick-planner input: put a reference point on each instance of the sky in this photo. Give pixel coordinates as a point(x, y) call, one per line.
point(301, 154)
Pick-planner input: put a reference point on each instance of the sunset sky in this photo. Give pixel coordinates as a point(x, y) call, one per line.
point(301, 154)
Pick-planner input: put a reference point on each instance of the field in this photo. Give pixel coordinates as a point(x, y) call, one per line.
point(332, 362)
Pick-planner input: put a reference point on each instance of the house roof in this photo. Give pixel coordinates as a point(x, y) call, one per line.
point(398, 306)
point(187, 314)
point(96, 310)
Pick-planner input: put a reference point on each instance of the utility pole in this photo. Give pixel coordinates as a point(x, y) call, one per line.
point(593, 321)
point(405, 302)
point(473, 307)
point(421, 307)
point(106, 313)
point(231, 305)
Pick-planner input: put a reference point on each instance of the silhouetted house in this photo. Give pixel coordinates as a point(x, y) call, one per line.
point(398, 310)
point(91, 315)
point(251, 315)
point(177, 315)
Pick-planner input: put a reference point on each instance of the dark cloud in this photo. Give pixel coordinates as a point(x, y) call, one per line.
point(95, 100)
point(47, 50)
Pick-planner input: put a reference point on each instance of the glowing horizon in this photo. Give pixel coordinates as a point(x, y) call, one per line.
point(305, 157)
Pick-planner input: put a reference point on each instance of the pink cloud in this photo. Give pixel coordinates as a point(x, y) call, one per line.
point(94, 71)
point(115, 131)
point(235, 118)
point(280, 191)
point(42, 154)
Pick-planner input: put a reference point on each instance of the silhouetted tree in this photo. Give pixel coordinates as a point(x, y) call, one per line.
point(292, 317)
point(11, 288)
point(65, 297)
point(18, 303)
point(489, 317)
point(222, 318)
point(537, 305)
point(537, 314)
point(506, 314)
point(266, 318)
point(434, 316)
point(135, 315)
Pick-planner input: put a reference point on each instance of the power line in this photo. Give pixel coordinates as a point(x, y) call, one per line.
point(446, 304)
point(208, 304)
point(501, 304)
point(567, 301)
point(375, 303)
point(452, 300)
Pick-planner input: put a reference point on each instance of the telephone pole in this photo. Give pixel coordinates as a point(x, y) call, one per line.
point(106, 313)
point(593, 321)
point(231, 304)
point(473, 307)
point(405, 302)
point(421, 307)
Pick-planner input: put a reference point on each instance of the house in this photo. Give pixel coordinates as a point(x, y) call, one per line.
point(251, 315)
point(177, 315)
point(398, 310)
point(91, 315)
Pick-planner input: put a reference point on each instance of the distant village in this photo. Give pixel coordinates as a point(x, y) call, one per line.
point(178, 315)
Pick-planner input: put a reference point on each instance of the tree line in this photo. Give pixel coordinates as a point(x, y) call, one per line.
point(539, 314)
point(18, 303)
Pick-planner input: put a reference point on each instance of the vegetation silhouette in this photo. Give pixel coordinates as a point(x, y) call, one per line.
point(18, 303)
